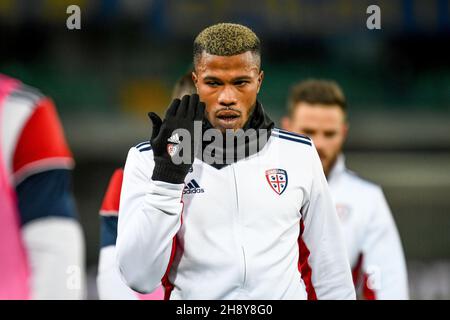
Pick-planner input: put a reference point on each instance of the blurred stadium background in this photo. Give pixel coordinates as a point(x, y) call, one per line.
point(124, 60)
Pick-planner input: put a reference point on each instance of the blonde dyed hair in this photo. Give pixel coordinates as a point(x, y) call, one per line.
point(227, 39)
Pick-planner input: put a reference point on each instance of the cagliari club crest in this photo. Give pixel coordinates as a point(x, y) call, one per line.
point(277, 179)
point(343, 211)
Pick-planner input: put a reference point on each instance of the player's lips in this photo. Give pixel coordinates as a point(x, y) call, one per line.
point(228, 118)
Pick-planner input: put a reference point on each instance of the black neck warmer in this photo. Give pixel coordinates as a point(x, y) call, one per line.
point(253, 143)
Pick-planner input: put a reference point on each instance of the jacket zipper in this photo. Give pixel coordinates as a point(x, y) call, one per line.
point(239, 226)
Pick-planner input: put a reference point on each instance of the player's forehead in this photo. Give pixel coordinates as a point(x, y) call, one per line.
point(240, 65)
point(318, 115)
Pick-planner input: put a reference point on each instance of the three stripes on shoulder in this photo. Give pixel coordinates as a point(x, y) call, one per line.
point(144, 146)
point(286, 135)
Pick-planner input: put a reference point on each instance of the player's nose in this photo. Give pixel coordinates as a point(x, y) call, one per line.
point(320, 144)
point(227, 97)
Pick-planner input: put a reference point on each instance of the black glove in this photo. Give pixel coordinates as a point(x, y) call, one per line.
point(181, 114)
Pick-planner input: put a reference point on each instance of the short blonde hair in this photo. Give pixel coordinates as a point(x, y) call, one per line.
point(226, 39)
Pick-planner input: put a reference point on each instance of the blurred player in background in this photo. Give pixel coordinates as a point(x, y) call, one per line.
point(41, 240)
point(317, 108)
point(109, 282)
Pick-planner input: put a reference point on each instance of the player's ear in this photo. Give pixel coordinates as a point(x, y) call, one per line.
point(194, 78)
point(260, 79)
point(286, 123)
point(345, 129)
point(345, 126)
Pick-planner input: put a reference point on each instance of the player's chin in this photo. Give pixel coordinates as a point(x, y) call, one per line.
point(325, 163)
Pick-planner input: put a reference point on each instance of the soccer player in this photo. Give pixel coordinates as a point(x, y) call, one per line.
point(317, 108)
point(41, 241)
point(109, 283)
point(254, 227)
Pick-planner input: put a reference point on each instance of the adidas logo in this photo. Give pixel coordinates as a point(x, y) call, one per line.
point(192, 187)
point(174, 139)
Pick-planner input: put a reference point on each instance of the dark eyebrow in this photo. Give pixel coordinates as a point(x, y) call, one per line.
point(240, 78)
point(211, 78)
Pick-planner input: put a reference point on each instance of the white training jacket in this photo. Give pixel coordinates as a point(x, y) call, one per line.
point(373, 243)
point(229, 233)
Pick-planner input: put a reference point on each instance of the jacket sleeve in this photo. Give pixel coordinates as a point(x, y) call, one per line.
point(149, 218)
point(383, 259)
point(330, 270)
point(55, 248)
point(52, 235)
point(109, 283)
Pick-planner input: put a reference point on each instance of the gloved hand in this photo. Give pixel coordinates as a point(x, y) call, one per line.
point(181, 114)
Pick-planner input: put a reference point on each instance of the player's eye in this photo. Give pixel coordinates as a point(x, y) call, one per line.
point(212, 83)
point(241, 83)
point(330, 134)
point(308, 133)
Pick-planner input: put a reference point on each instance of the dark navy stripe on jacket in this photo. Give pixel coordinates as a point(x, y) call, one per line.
point(108, 230)
point(142, 144)
point(145, 149)
point(46, 194)
point(298, 135)
point(276, 134)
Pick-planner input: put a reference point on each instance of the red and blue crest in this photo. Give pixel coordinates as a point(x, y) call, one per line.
point(277, 179)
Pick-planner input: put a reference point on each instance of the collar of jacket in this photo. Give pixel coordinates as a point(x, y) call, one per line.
point(337, 169)
point(257, 120)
